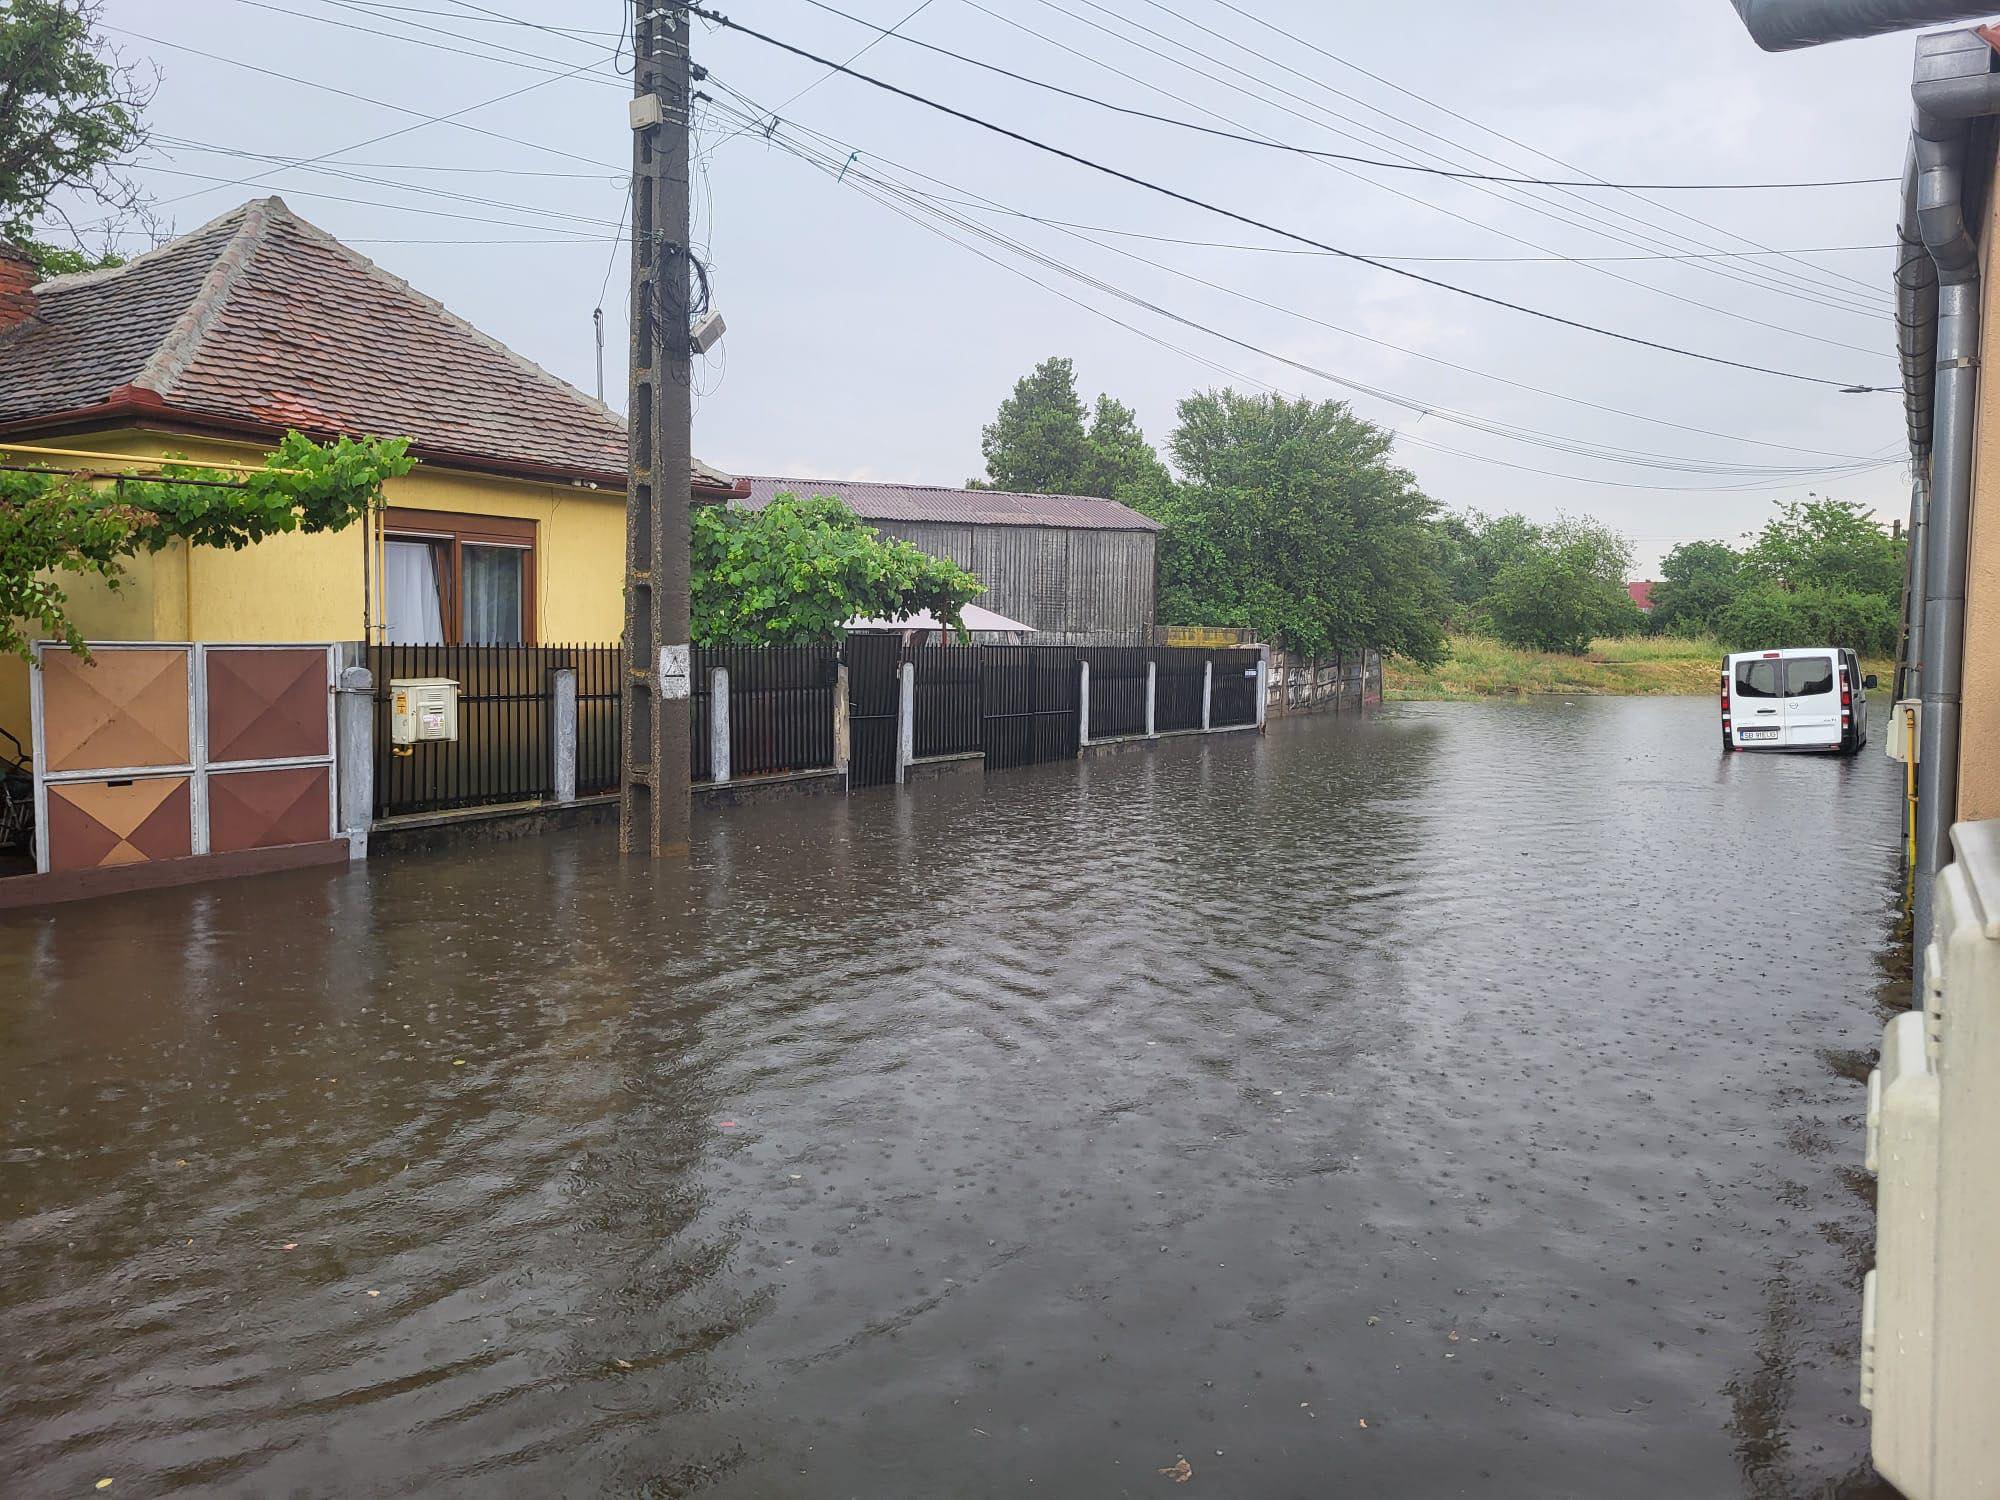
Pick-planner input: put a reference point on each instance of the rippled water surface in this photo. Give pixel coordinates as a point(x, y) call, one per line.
point(1460, 1100)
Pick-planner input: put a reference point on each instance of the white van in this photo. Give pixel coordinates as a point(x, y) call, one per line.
point(1804, 698)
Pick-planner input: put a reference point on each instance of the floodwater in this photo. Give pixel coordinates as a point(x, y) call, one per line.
point(1460, 1100)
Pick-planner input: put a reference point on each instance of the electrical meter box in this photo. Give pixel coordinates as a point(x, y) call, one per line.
point(1905, 719)
point(422, 708)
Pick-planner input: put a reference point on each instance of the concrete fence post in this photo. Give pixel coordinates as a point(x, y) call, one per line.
point(718, 724)
point(1263, 687)
point(562, 731)
point(354, 746)
point(1207, 690)
point(843, 735)
point(1082, 702)
point(906, 723)
point(1152, 698)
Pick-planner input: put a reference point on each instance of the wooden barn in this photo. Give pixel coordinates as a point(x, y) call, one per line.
point(1079, 570)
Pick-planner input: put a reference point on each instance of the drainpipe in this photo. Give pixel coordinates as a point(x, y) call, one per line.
point(1782, 25)
point(1955, 82)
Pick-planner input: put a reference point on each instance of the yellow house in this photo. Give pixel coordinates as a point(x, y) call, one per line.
point(511, 529)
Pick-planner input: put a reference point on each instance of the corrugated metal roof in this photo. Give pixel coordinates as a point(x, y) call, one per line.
point(874, 501)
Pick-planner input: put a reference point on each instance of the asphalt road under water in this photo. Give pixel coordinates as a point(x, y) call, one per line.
point(1486, 1074)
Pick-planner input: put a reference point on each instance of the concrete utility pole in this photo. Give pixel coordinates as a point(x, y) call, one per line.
point(653, 807)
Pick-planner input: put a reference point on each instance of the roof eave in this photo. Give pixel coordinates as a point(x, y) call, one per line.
point(131, 402)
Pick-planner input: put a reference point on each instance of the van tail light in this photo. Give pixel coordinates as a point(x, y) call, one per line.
point(1846, 700)
point(1725, 703)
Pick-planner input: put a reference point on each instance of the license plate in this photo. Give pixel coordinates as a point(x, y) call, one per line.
point(1756, 734)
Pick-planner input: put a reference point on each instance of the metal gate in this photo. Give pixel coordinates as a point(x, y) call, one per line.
point(1031, 696)
point(874, 693)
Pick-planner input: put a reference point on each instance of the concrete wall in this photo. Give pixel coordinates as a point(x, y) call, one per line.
point(310, 587)
point(1979, 746)
point(1076, 587)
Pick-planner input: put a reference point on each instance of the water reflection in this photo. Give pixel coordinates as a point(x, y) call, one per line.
point(1483, 1072)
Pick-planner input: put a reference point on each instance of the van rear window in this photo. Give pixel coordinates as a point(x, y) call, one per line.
point(1808, 676)
point(1757, 679)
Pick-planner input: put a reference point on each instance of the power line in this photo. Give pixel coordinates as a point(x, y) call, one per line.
point(1407, 93)
point(1268, 385)
point(980, 203)
point(1269, 228)
point(1589, 217)
point(884, 33)
point(401, 109)
point(841, 166)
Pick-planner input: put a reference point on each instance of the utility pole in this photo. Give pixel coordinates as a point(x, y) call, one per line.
point(653, 805)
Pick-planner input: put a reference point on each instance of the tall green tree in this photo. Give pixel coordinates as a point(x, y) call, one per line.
point(1827, 544)
point(1044, 441)
point(70, 111)
point(1698, 582)
point(1475, 547)
point(1294, 520)
point(795, 572)
point(1566, 589)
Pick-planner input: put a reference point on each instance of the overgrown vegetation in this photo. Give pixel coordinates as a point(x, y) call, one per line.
point(58, 526)
point(796, 571)
point(1822, 572)
point(1481, 667)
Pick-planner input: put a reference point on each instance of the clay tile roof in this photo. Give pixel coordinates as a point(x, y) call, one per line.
point(873, 501)
point(262, 318)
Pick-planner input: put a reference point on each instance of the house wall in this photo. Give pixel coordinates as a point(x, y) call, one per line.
point(309, 588)
point(1979, 744)
point(1076, 587)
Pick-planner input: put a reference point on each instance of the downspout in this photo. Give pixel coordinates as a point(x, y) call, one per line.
point(1916, 347)
point(1955, 83)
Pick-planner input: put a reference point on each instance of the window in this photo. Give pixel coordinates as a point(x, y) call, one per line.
point(450, 578)
point(1757, 679)
point(1808, 676)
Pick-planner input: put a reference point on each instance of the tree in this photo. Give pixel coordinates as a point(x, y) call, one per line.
point(1043, 442)
point(69, 111)
point(1698, 583)
point(52, 524)
point(798, 570)
point(1475, 548)
point(1565, 590)
point(1293, 520)
point(1827, 544)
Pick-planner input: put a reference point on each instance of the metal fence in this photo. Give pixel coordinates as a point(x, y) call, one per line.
point(950, 704)
point(1177, 688)
point(780, 707)
point(1117, 690)
point(874, 707)
point(1031, 700)
point(503, 749)
point(1233, 696)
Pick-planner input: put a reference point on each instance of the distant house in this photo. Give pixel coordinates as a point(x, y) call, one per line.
point(511, 529)
point(1078, 570)
point(1642, 594)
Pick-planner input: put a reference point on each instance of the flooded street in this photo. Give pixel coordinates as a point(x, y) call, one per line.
point(1460, 1100)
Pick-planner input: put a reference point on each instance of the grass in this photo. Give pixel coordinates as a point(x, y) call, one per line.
point(1628, 666)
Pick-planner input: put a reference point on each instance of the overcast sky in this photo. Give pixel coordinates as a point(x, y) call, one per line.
point(862, 344)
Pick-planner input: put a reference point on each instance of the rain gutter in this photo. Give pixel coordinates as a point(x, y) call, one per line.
point(1783, 25)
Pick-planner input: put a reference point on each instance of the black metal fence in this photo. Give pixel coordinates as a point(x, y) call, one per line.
point(780, 707)
point(874, 708)
point(1233, 699)
point(1017, 704)
point(503, 749)
point(1031, 695)
point(951, 700)
point(1117, 690)
point(1177, 688)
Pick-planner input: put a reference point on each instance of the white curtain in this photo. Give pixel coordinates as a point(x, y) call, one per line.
point(410, 592)
point(492, 583)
